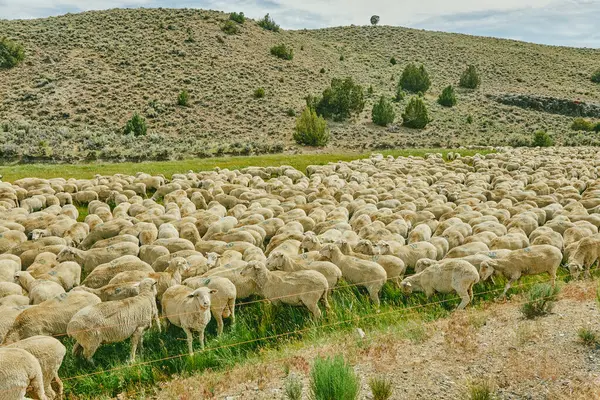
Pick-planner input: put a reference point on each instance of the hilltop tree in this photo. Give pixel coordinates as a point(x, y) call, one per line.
point(414, 79)
point(374, 20)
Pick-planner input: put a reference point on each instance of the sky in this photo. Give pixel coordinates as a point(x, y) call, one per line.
point(555, 22)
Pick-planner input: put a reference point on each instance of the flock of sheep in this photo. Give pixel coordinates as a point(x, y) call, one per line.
point(182, 251)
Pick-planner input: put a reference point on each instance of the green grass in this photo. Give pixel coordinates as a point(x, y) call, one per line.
point(333, 379)
point(299, 161)
point(381, 388)
point(540, 300)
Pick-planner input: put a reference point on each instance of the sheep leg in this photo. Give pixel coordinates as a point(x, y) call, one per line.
point(59, 385)
point(190, 339)
point(325, 301)
point(466, 299)
point(314, 309)
point(218, 316)
point(89, 352)
point(37, 385)
point(135, 339)
point(471, 295)
point(76, 349)
point(508, 284)
point(231, 305)
point(374, 294)
point(201, 337)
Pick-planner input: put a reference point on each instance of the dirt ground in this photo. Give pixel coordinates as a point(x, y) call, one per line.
point(539, 359)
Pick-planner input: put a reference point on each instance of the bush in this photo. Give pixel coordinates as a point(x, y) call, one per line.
point(393, 61)
point(290, 112)
point(268, 23)
point(469, 119)
point(481, 390)
point(415, 115)
point(540, 300)
point(322, 70)
point(184, 98)
point(381, 389)
point(448, 97)
point(519, 141)
point(400, 94)
point(414, 79)
point(283, 52)
point(11, 53)
point(240, 18)
point(259, 93)
point(230, 27)
point(542, 139)
point(470, 78)
point(333, 379)
point(375, 20)
point(383, 112)
point(596, 76)
point(342, 99)
point(588, 337)
point(136, 125)
point(311, 129)
point(293, 388)
point(581, 124)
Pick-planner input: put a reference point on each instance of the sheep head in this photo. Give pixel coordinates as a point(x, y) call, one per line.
point(327, 251)
point(179, 264)
point(384, 247)
point(310, 241)
point(67, 254)
point(38, 234)
point(212, 259)
point(202, 297)
point(486, 269)
point(423, 263)
point(252, 268)
point(275, 261)
point(147, 285)
point(574, 268)
point(406, 287)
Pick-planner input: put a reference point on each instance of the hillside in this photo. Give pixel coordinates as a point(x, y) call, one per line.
point(86, 74)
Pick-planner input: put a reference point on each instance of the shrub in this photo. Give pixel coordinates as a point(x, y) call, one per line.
point(342, 57)
point(184, 98)
point(11, 53)
point(342, 99)
point(293, 388)
point(374, 20)
point(415, 115)
point(480, 390)
point(283, 52)
point(230, 27)
point(290, 112)
point(414, 79)
point(542, 139)
point(400, 94)
point(383, 112)
point(596, 76)
point(470, 78)
point(381, 389)
point(469, 119)
point(519, 141)
point(322, 70)
point(370, 91)
point(240, 18)
point(540, 300)
point(588, 337)
point(581, 124)
point(393, 61)
point(136, 125)
point(448, 97)
point(268, 23)
point(259, 93)
point(311, 129)
point(333, 379)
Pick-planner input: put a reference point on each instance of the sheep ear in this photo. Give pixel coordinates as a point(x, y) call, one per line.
point(213, 291)
point(191, 295)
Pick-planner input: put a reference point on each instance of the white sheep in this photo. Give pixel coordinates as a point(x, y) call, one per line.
point(585, 254)
point(188, 309)
point(445, 277)
point(39, 290)
point(300, 288)
point(20, 370)
point(114, 321)
point(103, 274)
point(90, 259)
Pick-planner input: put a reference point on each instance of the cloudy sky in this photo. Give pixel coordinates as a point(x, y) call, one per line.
point(557, 22)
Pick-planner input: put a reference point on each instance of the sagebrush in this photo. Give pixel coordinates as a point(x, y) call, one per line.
point(470, 78)
point(540, 300)
point(282, 51)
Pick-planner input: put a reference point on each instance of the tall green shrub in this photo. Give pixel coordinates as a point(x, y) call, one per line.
point(333, 379)
point(282, 51)
point(383, 112)
point(470, 78)
point(416, 115)
point(240, 18)
point(542, 139)
point(311, 129)
point(136, 125)
point(230, 27)
point(268, 23)
point(414, 79)
point(448, 97)
point(339, 101)
point(184, 98)
point(596, 76)
point(11, 53)
point(582, 124)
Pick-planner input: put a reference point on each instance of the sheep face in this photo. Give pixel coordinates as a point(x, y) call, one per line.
point(406, 287)
point(486, 269)
point(202, 297)
point(364, 247)
point(38, 234)
point(310, 241)
point(384, 247)
point(212, 259)
point(66, 254)
point(275, 261)
point(575, 269)
point(252, 269)
point(180, 264)
point(148, 284)
point(422, 264)
point(327, 251)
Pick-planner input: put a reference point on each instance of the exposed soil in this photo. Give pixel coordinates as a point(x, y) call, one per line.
point(539, 359)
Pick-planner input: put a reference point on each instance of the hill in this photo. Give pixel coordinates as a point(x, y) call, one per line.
point(86, 74)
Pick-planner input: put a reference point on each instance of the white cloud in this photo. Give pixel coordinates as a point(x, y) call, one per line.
point(571, 22)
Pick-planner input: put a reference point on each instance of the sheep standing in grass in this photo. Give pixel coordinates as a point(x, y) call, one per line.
point(528, 261)
point(222, 301)
point(50, 354)
point(188, 309)
point(114, 321)
point(445, 277)
point(300, 288)
point(584, 255)
point(364, 273)
point(20, 370)
point(39, 290)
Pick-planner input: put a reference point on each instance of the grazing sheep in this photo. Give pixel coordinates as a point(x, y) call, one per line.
point(393, 266)
point(103, 274)
point(410, 253)
point(39, 290)
point(244, 286)
point(8, 315)
point(115, 291)
point(20, 370)
point(528, 261)
point(359, 272)
point(451, 276)
point(284, 263)
point(114, 321)
point(188, 309)
point(50, 354)
point(67, 274)
point(584, 255)
point(90, 259)
point(51, 317)
point(222, 301)
point(467, 250)
point(300, 288)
